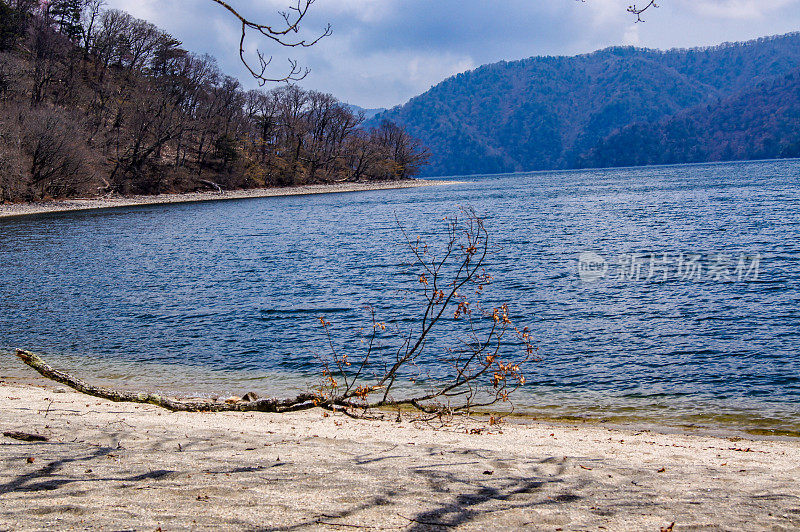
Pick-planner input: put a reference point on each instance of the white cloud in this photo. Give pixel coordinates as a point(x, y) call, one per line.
point(383, 52)
point(739, 9)
point(631, 36)
point(157, 12)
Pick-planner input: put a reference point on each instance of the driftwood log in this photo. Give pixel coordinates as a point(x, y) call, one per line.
point(301, 402)
point(24, 436)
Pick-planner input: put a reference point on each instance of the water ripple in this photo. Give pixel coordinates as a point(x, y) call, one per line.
point(236, 287)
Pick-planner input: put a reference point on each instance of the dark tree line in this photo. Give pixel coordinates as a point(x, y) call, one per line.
point(97, 101)
point(761, 123)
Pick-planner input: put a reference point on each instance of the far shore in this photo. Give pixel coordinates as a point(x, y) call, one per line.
point(115, 466)
point(107, 202)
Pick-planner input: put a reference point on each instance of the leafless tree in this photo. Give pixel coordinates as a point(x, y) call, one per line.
point(48, 53)
point(637, 10)
point(12, 176)
point(152, 117)
point(52, 141)
point(291, 19)
point(362, 154)
point(329, 127)
point(91, 16)
point(404, 153)
point(108, 44)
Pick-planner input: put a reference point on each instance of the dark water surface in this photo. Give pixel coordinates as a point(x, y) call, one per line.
point(225, 296)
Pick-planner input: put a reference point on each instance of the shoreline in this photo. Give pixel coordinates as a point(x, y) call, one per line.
point(195, 383)
point(120, 466)
point(198, 387)
point(85, 204)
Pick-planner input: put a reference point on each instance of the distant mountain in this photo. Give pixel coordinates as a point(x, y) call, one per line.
point(551, 112)
point(760, 123)
point(368, 113)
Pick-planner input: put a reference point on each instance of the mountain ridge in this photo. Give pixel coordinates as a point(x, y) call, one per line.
point(548, 112)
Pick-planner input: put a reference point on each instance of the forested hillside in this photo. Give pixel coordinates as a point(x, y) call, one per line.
point(761, 123)
point(549, 112)
point(96, 101)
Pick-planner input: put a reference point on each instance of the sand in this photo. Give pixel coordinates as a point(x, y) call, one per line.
point(24, 209)
point(112, 466)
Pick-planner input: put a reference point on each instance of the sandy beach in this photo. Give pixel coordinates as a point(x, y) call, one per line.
point(23, 209)
point(113, 466)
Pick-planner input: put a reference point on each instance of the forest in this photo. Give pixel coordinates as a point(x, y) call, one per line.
point(547, 113)
point(761, 123)
point(94, 101)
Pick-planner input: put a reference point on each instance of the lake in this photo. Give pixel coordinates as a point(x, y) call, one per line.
point(662, 294)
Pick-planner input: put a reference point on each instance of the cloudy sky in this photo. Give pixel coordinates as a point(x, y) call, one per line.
point(383, 52)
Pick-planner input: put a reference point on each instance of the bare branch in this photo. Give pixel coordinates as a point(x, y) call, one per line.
point(477, 376)
point(280, 35)
point(638, 11)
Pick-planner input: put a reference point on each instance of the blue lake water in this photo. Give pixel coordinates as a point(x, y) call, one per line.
point(222, 297)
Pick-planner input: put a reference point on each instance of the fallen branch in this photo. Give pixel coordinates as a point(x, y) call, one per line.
point(211, 184)
point(357, 382)
point(24, 436)
point(301, 402)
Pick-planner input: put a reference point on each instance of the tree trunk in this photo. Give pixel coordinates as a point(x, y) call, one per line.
point(301, 402)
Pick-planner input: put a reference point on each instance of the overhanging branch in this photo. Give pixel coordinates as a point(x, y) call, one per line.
point(280, 35)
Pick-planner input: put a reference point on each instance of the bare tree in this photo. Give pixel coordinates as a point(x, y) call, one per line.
point(290, 26)
point(12, 177)
point(13, 81)
point(330, 125)
point(90, 16)
point(108, 45)
point(362, 154)
point(48, 52)
point(52, 140)
point(403, 154)
point(152, 117)
point(293, 104)
point(142, 41)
